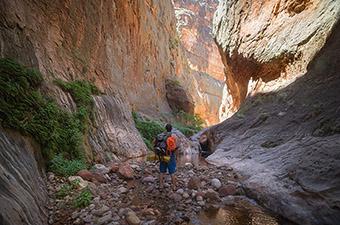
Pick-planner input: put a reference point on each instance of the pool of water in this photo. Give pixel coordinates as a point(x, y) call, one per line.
point(232, 215)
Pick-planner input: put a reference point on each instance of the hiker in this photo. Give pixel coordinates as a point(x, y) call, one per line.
point(165, 149)
point(204, 145)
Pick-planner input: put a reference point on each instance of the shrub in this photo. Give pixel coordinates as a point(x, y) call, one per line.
point(83, 199)
point(187, 131)
point(173, 42)
point(64, 191)
point(67, 189)
point(148, 129)
point(187, 123)
point(63, 167)
point(24, 108)
point(81, 92)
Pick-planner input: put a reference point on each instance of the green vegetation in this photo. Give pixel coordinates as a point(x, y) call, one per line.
point(83, 199)
point(148, 129)
point(80, 200)
point(186, 123)
point(81, 92)
point(63, 167)
point(173, 42)
point(24, 108)
point(66, 189)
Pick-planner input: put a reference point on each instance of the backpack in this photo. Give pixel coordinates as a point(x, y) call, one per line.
point(164, 144)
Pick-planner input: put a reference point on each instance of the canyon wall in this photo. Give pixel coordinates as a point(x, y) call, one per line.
point(202, 72)
point(23, 194)
point(194, 26)
point(284, 142)
point(266, 45)
point(121, 46)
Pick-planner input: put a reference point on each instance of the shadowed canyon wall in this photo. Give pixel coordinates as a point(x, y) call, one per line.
point(266, 45)
point(23, 194)
point(285, 142)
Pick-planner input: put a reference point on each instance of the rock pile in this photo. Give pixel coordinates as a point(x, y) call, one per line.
point(130, 195)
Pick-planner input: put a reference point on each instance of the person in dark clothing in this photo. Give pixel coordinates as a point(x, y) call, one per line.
point(204, 143)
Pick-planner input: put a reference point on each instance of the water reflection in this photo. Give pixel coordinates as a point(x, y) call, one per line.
point(234, 216)
point(193, 158)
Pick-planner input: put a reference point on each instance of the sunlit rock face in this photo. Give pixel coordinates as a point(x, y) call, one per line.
point(121, 46)
point(194, 24)
point(201, 58)
point(266, 45)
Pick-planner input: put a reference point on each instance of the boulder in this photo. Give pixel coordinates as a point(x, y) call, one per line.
point(176, 197)
point(114, 167)
point(199, 198)
point(132, 218)
point(92, 176)
point(229, 189)
point(149, 179)
point(216, 183)
point(101, 169)
point(180, 191)
point(185, 195)
point(123, 190)
point(211, 195)
point(105, 218)
point(194, 183)
point(125, 171)
point(101, 211)
point(80, 182)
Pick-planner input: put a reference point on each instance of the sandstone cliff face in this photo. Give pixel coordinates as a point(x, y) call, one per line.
point(114, 135)
point(266, 45)
point(121, 46)
point(194, 23)
point(23, 194)
point(286, 143)
point(202, 72)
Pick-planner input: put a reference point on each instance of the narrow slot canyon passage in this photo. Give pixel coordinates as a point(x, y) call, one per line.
point(191, 112)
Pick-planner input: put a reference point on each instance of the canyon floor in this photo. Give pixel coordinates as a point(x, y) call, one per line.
point(205, 194)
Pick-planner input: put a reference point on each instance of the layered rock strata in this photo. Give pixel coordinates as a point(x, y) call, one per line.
point(266, 45)
point(202, 74)
point(286, 143)
point(23, 194)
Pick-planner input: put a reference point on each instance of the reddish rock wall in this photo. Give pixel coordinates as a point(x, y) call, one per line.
point(122, 46)
point(202, 72)
point(265, 45)
point(194, 24)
